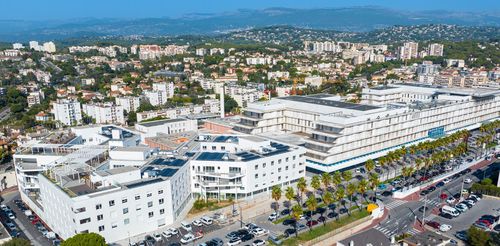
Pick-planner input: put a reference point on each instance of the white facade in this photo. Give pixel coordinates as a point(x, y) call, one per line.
point(156, 98)
point(105, 113)
point(67, 112)
point(128, 103)
point(17, 46)
point(169, 126)
point(436, 49)
point(243, 165)
point(49, 47)
point(341, 135)
point(166, 87)
point(314, 81)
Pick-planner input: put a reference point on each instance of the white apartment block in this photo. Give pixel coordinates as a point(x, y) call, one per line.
point(260, 61)
point(34, 45)
point(156, 98)
point(105, 113)
point(49, 47)
point(71, 188)
point(129, 103)
point(313, 81)
point(408, 51)
point(340, 135)
point(243, 166)
point(34, 98)
point(435, 49)
point(67, 112)
point(17, 46)
point(201, 52)
point(211, 106)
point(166, 87)
point(168, 126)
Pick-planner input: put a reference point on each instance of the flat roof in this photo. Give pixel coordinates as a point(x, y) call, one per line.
point(369, 237)
point(160, 122)
point(330, 103)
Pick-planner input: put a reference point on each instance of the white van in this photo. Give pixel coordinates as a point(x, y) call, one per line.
point(186, 226)
point(450, 210)
point(206, 220)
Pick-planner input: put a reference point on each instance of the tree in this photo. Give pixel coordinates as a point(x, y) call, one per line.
point(311, 204)
point(363, 187)
point(327, 199)
point(337, 178)
point(229, 104)
point(347, 176)
point(326, 179)
point(339, 195)
point(145, 106)
point(85, 239)
point(276, 194)
point(296, 213)
point(316, 182)
point(351, 189)
point(289, 194)
point(477, 237)
point(374, 182)
point(17, 242)
point(369, 165)
point(301, 187)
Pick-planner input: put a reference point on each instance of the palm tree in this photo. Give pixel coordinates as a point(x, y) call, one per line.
point(346, 176)
point(374, 182)
point(301, 187)
point(337, 178)
point(369, 165)
point(327, 199)
point(289, 194)
point(276, 195)
point(326, 179)
point(404, 172)
point(363, 187)
point(339, 195)
point(316, 182)
point(351, 189)
point(312, 205)
point(296, 213)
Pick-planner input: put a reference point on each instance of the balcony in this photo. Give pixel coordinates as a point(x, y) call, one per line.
point(220, 175)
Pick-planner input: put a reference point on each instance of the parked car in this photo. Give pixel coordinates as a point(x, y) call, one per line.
point(462, 235)
point(273, 216)
point(467, 180)
point(288, 222)
point(259, 232)
point(443, 196)
point(197, 223)
point(289, 232)
point(444, 227)
point(421, 209)
point(234, 241)
point(157, 237)
point(433, 224)
point(312, 223)
point(342, 210)
point(332, 215)
point(275, 240)
point(247, 237)
point(258, 242)
point(285, 211)
point(450, 200)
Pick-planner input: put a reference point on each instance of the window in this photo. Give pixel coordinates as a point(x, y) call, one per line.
point(204, 147)
point(263, 165)
point(160, 192)
point(124, 200)
point(99, 217)
point(149, 194)
point(272, 163)
point(256, 167)
point(279, 178)
point(150, 204)
point(125, 211)
point(286, 159)
point(98, 206)
point(214, 148)
point(279, 161)
point(137, 197)
point(286, 168)
point(160, 201)
point(126, 221)
point(162, 211)
point(101, 228)
point(112, 203)
point(138, 208)
point(256, 175)
point(114, 225)
point(150, 214)
point(279, 169)
point(223, 148)
point(80, 210)
point(293, 158)
point(83, 221)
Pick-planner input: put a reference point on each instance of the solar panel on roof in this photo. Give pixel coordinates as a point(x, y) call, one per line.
point(168, 172)
point(210, 156)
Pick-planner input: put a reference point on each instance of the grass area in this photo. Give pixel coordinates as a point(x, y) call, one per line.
point(322, 230)
point(210, 205)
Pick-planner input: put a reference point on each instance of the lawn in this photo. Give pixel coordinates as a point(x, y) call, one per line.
point(210, 205)
point(321, 230)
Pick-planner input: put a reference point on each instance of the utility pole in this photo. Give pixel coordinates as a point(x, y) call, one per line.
point(463, 180)
point(423, 214)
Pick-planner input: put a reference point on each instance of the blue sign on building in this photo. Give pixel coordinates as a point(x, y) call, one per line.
point(436, 132)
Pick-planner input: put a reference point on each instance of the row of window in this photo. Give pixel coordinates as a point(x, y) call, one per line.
point(124, 200)
point(272, 162)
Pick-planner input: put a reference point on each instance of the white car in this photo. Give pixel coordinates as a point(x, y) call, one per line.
point(475, 197)
point(233, 242)
point(258, 242)
point(197, 223)
point(259, 232)
point(273, 216)
point(444, 227)
point(467, 180)
point(450, 200)
point(11, 215)
point(4, 207)
point(173, 231)
point(166, 234)
point(187, 238)
point(461, 207)
point(446, 180)
point(157, 236)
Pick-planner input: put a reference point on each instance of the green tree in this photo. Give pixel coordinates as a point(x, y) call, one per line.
point(289, 194)
point(301, 187)
point(312, 205)
point(17, 242)
point(369, 165)
point(337, 178)
point(276, 194)
point(326, 179)
point(347, 176)
point(477, 237)
point(296, 214)
point(85, 239)
point(315, 182)
point(351, 190)
point(229, 104)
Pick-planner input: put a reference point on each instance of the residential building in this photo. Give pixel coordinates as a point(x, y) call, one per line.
point(313, 81)
point(34, 98)
point(241, 166)
point(167, 126)
point(129, 103)
point(156, 98)
point(17, 46)
point(49, 47)
point(408, 51)
point(436, 49)
point(67, 112)
point(105, 113)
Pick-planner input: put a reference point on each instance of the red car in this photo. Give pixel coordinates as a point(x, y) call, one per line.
point(443, 196)
point(433, 224)
point(424, 178)
point(35, 220)
point(312, 223)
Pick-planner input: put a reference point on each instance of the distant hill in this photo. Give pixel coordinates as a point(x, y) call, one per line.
point(355, 19)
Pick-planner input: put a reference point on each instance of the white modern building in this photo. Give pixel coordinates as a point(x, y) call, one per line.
point(71, 187)
point(67, 112)
point(156, 97)
point(241, 166)
point(436, 49)
point(340, 135)
point(129, 103)
point(168, 126)
point(17, 46)
point(105, 113)
point(49, 47)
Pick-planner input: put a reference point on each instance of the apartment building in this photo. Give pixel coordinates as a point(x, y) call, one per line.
point(105, 113)
point(241, 166)
point(339, 135)
point(156, 97)
point(168, 126)
point(435, 49)
point(71, 187)
point(210, 106)
point(129, 103)
point(408, 51)
point(67, 112)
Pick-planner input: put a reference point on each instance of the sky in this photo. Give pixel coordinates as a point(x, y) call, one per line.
point(73, 9)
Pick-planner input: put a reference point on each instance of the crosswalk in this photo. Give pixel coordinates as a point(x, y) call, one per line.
point(429, 201)
point(413, 231)
point(395, 204)
point(387, 232)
